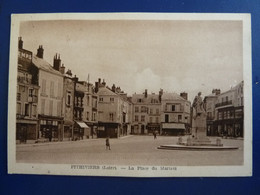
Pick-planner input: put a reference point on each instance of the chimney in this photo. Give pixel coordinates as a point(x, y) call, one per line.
point(20, 43)
point(99, 80)
point(75, 78)
point(56, 62)
point(69, 72)
point(104, 83)
point(114, 88)
point(145, 93)
point(62, 69)
point(96, 87)
point(160, 94)
point(184, 95)
point(40, 52)
point(216, 91)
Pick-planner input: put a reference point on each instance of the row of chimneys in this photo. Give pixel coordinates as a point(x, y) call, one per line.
point(216, 91)
point(56, 60)
point(184, 95)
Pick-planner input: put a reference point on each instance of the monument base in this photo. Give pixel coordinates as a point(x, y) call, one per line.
point(206, 148)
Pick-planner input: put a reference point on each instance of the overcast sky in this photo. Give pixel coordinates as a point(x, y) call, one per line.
point(176, 56)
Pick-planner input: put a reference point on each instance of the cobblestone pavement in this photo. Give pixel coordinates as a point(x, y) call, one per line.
point(131, 150)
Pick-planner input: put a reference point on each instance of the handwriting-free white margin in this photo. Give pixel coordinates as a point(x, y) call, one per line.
point(182, 171)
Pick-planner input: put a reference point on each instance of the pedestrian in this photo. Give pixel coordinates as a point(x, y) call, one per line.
point(107, 144)
point(154, 134)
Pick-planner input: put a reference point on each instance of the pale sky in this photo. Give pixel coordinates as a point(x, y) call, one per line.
point(176, 56)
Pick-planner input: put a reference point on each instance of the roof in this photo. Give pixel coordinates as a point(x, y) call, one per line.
point(44, 65)
point(172, 96)
point(105, 91)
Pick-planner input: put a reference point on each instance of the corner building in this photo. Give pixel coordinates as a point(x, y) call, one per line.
point(175, 114)
point(27, 98)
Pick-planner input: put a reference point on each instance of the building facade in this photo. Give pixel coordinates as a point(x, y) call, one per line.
point(113, 111)
point(68, 105)
point(50, 98)
point(146, 113)
point(229, 119)
point(175, 114)
point(210, 103)
point(27, 98)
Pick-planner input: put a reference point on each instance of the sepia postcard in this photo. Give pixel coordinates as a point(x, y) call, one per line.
point(130, 94)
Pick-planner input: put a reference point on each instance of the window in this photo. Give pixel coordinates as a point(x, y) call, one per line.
point(52, 89)
point(42, 106)
point(179, 118)
point(87, 115)
point(142, 118)
point(226, 98)
point(143, 109)
point(139, 100)
point(101, 99)
point(111, 116)
point(30, 92)
point(59, 90)
point(151, 119)
point(225, 115)
point(18, 108)
point(43, 86)
point(58, 108)
point(111, 99)
point(18, 98)
point(136, 118)
point(220, 115)
point(68, 98)
point(88, 100)
point(93, 116)
point(136, 109)
point(157, 111)
point(34, 110)
point(50, 107)
point(26, 110)
point(157, 119)
point(166, 118)
point(173, 107)
point(151, 111)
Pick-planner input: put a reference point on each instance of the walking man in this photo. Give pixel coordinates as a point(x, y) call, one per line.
point(154, 134)
point(107, 143)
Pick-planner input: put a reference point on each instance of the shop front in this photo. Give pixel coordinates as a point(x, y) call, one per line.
point(153, 127)
point(68, 130)
point(108, 130)
point(81, 131)
point(26, 131)
point(174, 129)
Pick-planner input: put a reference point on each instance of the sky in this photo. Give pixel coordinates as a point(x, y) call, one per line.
point(177, 56)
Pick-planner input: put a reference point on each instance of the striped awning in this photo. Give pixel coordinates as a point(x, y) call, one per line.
point(82, 124)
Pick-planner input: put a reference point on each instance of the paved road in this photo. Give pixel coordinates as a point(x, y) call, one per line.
point(131, 150)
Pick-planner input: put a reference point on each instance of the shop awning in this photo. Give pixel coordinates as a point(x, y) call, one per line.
point(82, 124)
point(173, 126)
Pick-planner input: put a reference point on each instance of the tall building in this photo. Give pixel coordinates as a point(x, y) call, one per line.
point(175, 114)
point(210, 102)
point(50, 97)
point(230, 112)
point(81, 129)
point(27, 98)
point(68, 105)
point(146, 113)
point(113, 111)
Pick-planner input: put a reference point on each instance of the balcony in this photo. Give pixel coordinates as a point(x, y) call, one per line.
point(226, 103)
point(24, 80)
